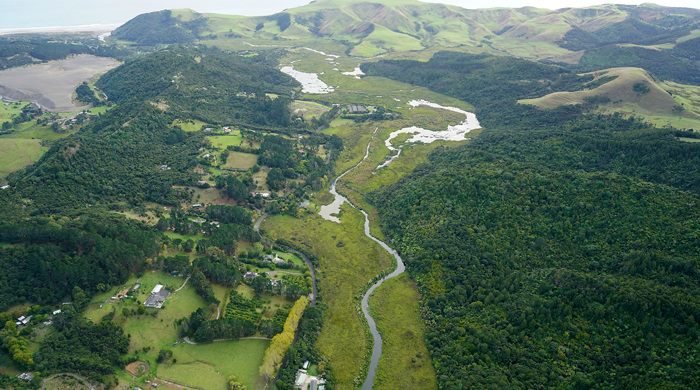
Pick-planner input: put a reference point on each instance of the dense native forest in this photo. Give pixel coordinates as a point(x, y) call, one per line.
point(207, 84)
point(160, 28)
point(551, 255)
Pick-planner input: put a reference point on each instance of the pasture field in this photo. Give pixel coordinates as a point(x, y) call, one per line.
point(308, 109)
point(208, 195)
point(99, 110)
point(7, 365)
point(189, 125)
point(222, 141)
point(348, 261)
point(240, 161)
point(184, 237)
point(405, 361)
point(209, 365)
point(30, 130)
point(10, 110)
point(18, 153)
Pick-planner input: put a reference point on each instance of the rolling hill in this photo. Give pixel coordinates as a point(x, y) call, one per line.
point(367, 29)
point(632, 91)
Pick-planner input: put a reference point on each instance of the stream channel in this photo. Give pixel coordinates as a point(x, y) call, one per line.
point(334, 208)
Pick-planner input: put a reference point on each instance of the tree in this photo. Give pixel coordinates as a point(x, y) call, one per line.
point(80, 300)
point(235, 385)
point(235, 188)
point(164, 355)
point(281, 342)
point(188, 245)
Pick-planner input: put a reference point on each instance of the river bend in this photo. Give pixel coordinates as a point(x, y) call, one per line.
point(334, 208)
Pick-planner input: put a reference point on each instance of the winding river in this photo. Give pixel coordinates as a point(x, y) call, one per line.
point(327, 213)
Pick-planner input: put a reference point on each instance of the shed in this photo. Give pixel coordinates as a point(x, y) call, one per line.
point(157, 289)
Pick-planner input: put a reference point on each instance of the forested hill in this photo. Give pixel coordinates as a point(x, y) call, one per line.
point(493, 84)
point(115, 160)
point(160, 27)
point(537, 277)
point(206, 84)
point(559, 249)
point(570, 136)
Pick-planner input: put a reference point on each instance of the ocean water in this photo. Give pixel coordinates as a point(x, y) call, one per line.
point(15, 14)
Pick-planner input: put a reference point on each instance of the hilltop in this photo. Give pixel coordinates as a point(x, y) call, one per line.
point(367, 29)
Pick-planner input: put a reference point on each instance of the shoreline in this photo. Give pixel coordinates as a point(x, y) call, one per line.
point(98, 28)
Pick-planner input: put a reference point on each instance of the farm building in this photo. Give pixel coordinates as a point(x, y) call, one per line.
point(157, 297)
point(357, 109)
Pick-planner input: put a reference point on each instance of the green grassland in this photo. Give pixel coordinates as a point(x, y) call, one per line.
point(8, 366)
point(10, 110)
point(240, 161)
point(99, 110)
point(156, 329)
point(405, 361)
point(18, 153)
point(290, 256)
point(184, 237)
point(30, 130)
point(189, 125)
point(343, 273)
point(308, 109)
point(223, 141)
point(208, 366)
point(207, 195)
point(377, 91)
point(656, 106)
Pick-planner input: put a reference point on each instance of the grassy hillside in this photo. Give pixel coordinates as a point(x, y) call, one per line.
point(367, 29)
point(18, 153)
point(161, 27)
point(632, 91)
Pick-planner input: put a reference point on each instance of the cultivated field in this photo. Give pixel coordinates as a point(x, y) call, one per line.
point(53, 83)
